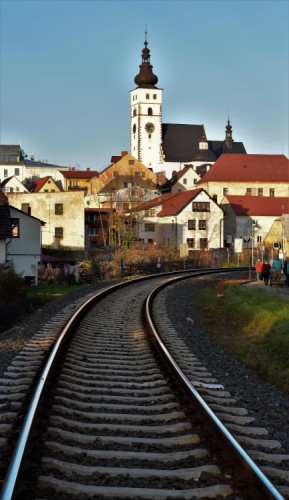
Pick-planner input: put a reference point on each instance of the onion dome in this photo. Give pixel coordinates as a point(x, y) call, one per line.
point(146, 78)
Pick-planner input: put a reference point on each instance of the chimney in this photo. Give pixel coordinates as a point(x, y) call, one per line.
point(123, 153)
point(73, 169)
point(32, 157)
point(88, 169)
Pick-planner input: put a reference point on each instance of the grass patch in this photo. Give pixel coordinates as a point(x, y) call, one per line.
point(52, 291)
point(253, 326)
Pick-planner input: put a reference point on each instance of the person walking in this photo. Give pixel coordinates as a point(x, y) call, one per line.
point(266, 271)
point(286, 271)
point(258, 267)
point(277, 268)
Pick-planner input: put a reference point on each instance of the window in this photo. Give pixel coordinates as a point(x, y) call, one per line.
point(150, 111)
point(203, 243)
point(134, 114)
point(225, 191)
point(58, 232)
point(154, 96)
point(150, 212)
point(149, 227)
point(259, 239)
point(202, 224)
point(5, 172)
point(125, 184)
point(260, 191)
point(26, 208)
point(248, 191)
point(147, 96)
point(201, 206)
point(191, 242)
point(58, 209)
point(93, 231)
point(125, 206)
point(215, 198)
point(192, 224)
point(17, 171)
point(185, 181)
point(272, 192)
point(172, 225)
point(134, 128)
point(131, 162)
point(15, 228)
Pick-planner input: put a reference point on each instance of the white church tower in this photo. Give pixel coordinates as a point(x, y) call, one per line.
point(146, 116)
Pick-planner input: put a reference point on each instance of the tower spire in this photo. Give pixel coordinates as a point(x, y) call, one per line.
point(228, 137)
point(146, 78)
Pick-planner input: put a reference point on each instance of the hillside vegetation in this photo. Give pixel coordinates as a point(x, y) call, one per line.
point(251, 324)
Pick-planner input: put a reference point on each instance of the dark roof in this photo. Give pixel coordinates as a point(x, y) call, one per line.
point(3, 183)
point(5, 219)
point(181, 142)
point(247, 167)
point(220, 147)
point(33, 163)
point(80, 174)
point(258, 205)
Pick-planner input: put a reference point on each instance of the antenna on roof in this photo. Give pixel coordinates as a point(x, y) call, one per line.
point(146, 32)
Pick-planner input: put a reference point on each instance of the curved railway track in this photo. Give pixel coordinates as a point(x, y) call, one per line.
point(120, 414)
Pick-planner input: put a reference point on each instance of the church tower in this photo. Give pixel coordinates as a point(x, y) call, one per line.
point(146, 115)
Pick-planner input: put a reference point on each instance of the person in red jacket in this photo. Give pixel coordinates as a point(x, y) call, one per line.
point(266, 271)
point(258, 267)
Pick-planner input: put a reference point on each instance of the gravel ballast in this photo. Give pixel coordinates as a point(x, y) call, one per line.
point(268, 405)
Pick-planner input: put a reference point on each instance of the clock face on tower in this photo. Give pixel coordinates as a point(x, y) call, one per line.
point(149, 127)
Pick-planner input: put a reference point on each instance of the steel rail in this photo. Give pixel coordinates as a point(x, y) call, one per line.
point(13, 475)
point(259, 483)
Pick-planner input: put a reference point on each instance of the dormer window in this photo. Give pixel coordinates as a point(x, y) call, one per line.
point(203, 145)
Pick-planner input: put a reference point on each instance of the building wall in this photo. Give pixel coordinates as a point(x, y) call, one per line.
point(25, 250)
point(10, 169)
point(240, 188)
point(14, 186)
point(123, 167)
point(146, 146)
point(172, 230)
point(42, 206)
point(37, 171)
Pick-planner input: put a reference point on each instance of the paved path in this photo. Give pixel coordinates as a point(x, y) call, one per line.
point(280, 290)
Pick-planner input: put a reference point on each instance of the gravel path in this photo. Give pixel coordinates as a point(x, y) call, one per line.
point(268, 405)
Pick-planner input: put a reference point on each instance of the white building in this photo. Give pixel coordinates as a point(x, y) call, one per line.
point(188, 217)
point(11, 162)
point(24, 249)
point(169, 147)
point(20, 240)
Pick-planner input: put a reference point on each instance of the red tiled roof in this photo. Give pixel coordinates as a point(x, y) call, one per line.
point(38, 184)
point(259, 205)
point(174, 205)
point(155, 202)
point(79, 174)
point(247, 167)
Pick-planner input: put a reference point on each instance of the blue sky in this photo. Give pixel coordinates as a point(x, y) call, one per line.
point(67, 68)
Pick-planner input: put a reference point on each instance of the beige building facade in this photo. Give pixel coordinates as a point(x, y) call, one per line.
point(63, 214)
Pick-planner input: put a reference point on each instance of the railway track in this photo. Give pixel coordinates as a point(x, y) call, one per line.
point(114, 421)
